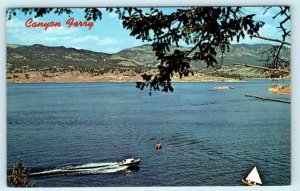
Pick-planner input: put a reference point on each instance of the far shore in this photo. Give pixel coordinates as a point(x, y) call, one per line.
point(76, 76)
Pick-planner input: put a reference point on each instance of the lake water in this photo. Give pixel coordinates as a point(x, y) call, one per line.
point(209, 137)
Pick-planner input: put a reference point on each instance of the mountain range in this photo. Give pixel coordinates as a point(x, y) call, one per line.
point(25, 58)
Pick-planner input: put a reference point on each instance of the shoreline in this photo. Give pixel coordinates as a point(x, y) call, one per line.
point(275, 89)
point(79, 77)
point(46, 82)
point(227, 80)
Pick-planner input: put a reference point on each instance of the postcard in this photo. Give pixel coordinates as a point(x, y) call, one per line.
point(148, 96)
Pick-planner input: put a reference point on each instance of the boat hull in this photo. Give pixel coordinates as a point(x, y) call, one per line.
point(135, 163)
point(249, 183)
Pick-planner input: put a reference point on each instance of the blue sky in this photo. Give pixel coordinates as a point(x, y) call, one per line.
point(108, 34)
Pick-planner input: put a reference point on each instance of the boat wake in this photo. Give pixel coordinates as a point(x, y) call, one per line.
point(90, 168)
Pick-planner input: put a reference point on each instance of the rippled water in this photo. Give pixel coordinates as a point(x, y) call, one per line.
point(209, 137)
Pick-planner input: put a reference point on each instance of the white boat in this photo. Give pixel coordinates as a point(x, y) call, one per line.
point(253, 179)
point(129, 162)
point(223, 87)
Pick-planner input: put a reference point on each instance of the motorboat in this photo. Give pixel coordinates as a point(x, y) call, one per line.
point(129, 162)
point(223, 87)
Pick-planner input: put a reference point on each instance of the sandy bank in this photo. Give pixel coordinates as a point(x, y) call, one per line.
point(281, 89)
point(76, 76)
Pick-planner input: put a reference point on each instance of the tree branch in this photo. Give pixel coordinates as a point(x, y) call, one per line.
point(271, 39)
point(263, 68)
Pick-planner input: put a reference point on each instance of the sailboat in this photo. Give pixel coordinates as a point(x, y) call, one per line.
point(253, 179)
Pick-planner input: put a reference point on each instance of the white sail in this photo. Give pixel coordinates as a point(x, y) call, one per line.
point(254, 176)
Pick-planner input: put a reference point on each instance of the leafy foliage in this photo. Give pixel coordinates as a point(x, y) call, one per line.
point(19, 176)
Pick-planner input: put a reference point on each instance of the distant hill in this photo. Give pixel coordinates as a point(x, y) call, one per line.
point(23, 58)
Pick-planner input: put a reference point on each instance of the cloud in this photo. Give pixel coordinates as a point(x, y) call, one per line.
point(34, 36)
point(14, 25)
point(107, 41)
point(88, 38)
point(137, 43)
point(61, 31)
point(97, 40)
